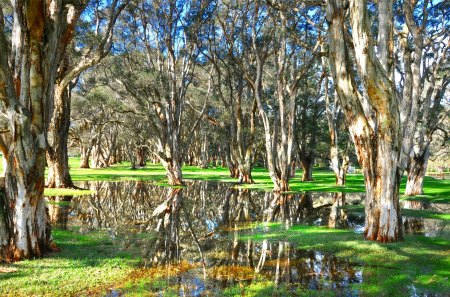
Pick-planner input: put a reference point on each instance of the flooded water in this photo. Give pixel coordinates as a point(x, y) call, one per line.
point(198, 236)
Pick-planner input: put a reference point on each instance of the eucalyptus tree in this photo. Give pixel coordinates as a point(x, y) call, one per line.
point(372, 108)
point(339, 158)
point(155, 67)
point(33, 40)
point(309, 133)
point(225, 33)
point(275, 41)
point(96, 123)
point(424, 42)
point(93, 39)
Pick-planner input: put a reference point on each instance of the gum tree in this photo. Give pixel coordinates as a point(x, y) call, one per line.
point(373, 115)
point(89, 48)
point(155, 68)
point(32, 42)
point(424, 43)
point(275, 42)
point(226, 32)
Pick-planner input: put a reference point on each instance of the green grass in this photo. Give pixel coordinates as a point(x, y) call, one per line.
point(93, 264)
point(87, 265)
point(425, 214)
point(66, 192)
point(324, 181)
point(388, 269)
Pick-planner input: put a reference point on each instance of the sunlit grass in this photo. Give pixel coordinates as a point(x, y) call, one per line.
point(87, 265)
point(388, 269)
point(436, 190)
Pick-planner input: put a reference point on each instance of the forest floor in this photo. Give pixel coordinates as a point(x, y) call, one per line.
point(91, 264)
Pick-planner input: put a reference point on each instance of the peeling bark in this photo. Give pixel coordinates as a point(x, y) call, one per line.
point(38, 41)
point(378, 147)
point(416, 172)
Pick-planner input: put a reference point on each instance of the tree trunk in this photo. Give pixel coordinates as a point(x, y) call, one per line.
point(293, 168)
point(173, 171)
point(341, 179)
point(234, 170)
point(24, 231)
point(416, 172)
point(204, 153)
point(245, 174)
point(307, 166)
point(57, 158)
point(383, 220)
point(342, 176)
point(140, 157)
point(85, 153)
point(282, 185)
point(377, 136)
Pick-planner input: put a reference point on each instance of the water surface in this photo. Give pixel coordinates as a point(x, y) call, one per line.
point(197, 237)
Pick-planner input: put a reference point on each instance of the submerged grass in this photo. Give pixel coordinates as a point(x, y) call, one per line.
point(396, 269)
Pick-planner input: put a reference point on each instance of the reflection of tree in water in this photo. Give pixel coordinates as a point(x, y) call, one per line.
point(58, 210)
point(116, 204)
point(306, 208)
point(167, 214)
point(202, 224)
point(238, 207)
point(338, 215)
point(280, 262)
point(416, 225)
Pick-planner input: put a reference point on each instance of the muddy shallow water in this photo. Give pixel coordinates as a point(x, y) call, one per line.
point(197, 236)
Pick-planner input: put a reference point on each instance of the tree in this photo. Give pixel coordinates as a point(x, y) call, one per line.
point(425, 44)
point(40, 33)
point(310, 121)
point(339, 162)
point(373, 117)
point(274, 29)
point(226, 31)
point(156, 70)
point(89, 50)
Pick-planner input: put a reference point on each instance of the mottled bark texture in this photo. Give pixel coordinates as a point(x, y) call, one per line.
point(417, 169)
point(422, 42)
point(40, 33)
point(57, 156)
point(377, 135)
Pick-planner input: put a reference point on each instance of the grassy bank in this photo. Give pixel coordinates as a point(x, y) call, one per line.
point(324, 181)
